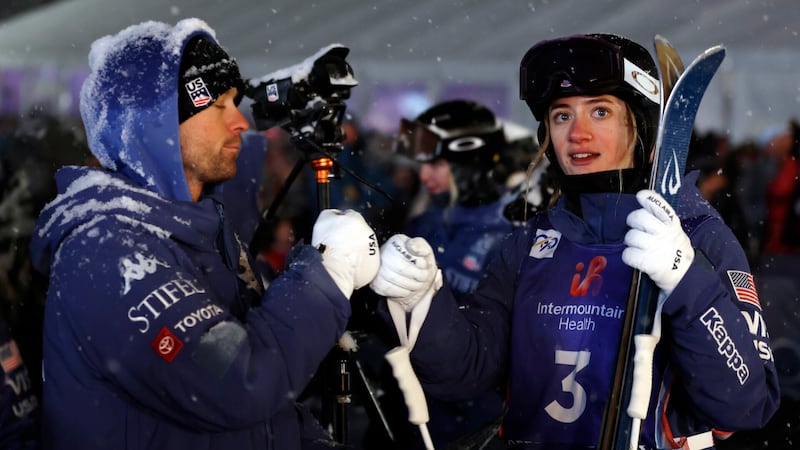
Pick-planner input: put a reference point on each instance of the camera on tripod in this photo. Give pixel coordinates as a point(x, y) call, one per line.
point(307, 99)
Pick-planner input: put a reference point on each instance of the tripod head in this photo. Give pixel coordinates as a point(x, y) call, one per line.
point(306, 99)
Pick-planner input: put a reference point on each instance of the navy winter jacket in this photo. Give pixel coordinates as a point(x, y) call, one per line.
point(158, 335)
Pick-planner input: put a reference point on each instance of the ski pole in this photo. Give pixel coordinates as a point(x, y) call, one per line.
point(400, 360)
point(642, 385)
point(413, 394)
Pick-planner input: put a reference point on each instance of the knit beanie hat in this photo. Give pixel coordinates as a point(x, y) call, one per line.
point(206, 73)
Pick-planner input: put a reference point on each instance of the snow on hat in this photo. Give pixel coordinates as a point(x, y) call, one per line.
point(206, 73)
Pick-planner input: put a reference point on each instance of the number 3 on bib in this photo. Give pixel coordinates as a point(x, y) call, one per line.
point(579, 361)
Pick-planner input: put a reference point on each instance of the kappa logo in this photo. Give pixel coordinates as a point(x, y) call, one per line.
point(138, 269)
point(715, 325)
point(545, 244)
point(672, 177)
point(166, 345)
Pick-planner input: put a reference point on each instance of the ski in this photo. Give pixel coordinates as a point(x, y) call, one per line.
point(675, 129)
point(670, 67)
point(631, 385)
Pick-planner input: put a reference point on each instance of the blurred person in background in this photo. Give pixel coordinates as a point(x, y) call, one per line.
point(292, 215)
point(717, 178)
point(19, 404)
point(782, 235)
point(778, 281)
point(457, 144)
point(30, 153)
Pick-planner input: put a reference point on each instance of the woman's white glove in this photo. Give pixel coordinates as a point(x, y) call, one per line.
point(349, 248)
point(657, 245)
point(408, 271)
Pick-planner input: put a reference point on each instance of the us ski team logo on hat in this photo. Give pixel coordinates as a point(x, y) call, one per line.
point(198, 92)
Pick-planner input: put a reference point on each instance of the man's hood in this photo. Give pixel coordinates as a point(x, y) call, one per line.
point(129, 103)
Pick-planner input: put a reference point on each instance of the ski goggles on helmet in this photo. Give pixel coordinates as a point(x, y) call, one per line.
point(416, 141)
point(424, 142)
point(578, 65)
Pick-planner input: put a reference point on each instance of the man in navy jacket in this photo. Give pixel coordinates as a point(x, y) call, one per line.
point(158, 333)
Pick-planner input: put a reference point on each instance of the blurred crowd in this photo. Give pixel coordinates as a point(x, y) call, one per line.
point(753, 185)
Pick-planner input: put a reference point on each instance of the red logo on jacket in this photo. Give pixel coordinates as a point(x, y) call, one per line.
point(166, 345)
point(579, 287)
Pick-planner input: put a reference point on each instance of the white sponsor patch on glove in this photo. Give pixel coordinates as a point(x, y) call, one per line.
point(408, 271)
point(657, 245)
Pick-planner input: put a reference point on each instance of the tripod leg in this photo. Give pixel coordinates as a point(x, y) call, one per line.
point(337, 396)
point(373, 401)
point(347, 378)
point(343, 400)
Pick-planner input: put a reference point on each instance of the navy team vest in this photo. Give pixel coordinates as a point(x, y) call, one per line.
point(568, 314)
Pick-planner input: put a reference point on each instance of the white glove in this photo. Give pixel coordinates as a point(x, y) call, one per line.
point(408, 271)
point(656, 242)
point(350, 253)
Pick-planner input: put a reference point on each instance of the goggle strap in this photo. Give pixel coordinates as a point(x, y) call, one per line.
point(640, 80)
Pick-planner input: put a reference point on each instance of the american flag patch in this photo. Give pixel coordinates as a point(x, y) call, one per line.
point(9, 357)
point(744, 286)
point(198, 92)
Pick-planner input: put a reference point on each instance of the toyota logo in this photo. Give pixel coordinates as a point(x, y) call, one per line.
point(166, 345)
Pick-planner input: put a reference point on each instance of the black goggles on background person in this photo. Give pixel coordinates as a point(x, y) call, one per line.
point(425, 143)
point(571, 65)
point(416, 141)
